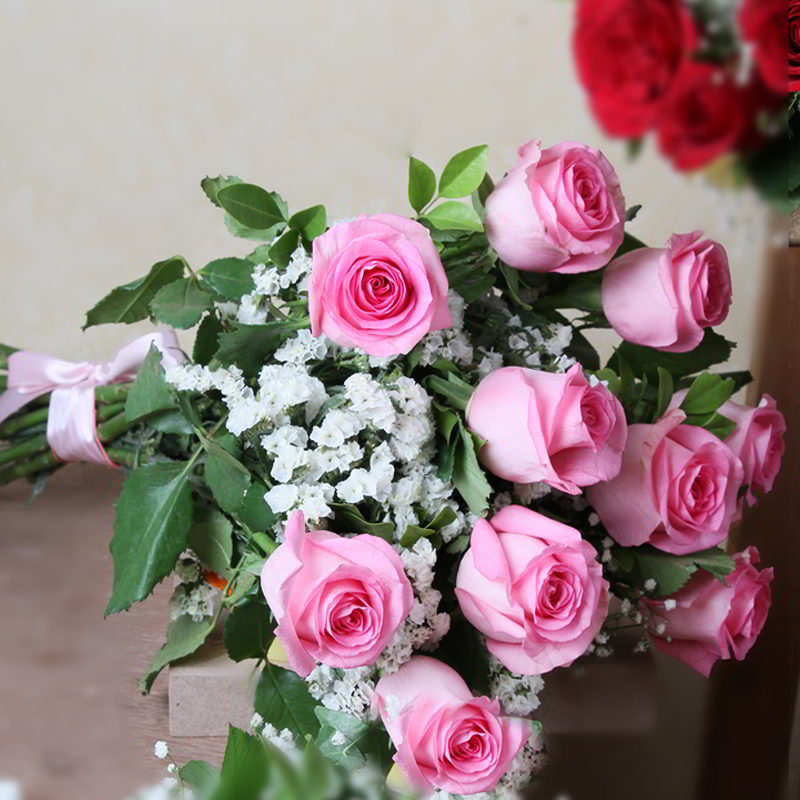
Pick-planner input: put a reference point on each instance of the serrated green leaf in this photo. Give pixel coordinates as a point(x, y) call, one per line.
point(230, 278)
point(131, 302)
point(180, 304)
point(249, 347)
point(283, 700)
point(468, 476)
point(248, 631)
point(348, 519)
point(445, 517)
point(706, 394)
point(184, 637)
point(149, 392)
point(671, 572)
point(665, 389)
point(211, 538)
point(421, 184)
point(280, 253)
point(154, 514)
point(252, 206)
point(464, 172)
point(245, 768)
point(255, 511)
point(170, 421)
point(211, 186)
point(225, 475)
point(310, 222)
point(206, 339)
point(252, 234)
point(452, 215)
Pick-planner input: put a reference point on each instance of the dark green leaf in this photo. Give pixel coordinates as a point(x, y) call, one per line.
point(458, 545)
point(255, 511)
point(629, 243)
point(230, 278)
point(154, 514)
point(210, 537)
point(251, 205)
point(464, 649)
point(245, 769)
point(716, 423)
point(458, 393)
point(452, 215)
point(283, 700)
point(511, 276)
point(280, 253)
point(181, 303)
point(206, 339)
point(211, 186)
point(464, 172)
point(468, 476)
point(248, 631)
point(150, 392)
point(348, 519)
point(671, 572)
point(421, 184)
point(414, 533)
point(226, 476)
point(445, 517)
point(582, 350)
point(131, 302)
point(249, 347)
point(706, 394)
point(632, 213)
point(635, 146)
point(310, 222)
point(184, 637)
point(665, 389)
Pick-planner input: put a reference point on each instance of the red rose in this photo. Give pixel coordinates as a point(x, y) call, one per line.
point(794, 46)
point(703, 118)
point(628, 54)
point(763, 23)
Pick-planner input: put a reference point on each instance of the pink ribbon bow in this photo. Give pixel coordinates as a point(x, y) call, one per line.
point(71, 421)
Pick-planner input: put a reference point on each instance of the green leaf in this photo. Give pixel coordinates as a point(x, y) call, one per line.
point(283, 700)
point(457, 392)
point(632, 213)
point(611, 378)
point(150, 392)
point(421, 184)
point(210, 537)
point(230, 278)
point(206, 339)
point(464, 172)
point(348, 519)
point(468, 476)
point(414, 533)
point(458, 545)
point(211, 186)
point(310, 222)
point(253, 234)
point(581, 292)
point(719, 425)
point(671, 572)
point(452, 215)
point(464, 649)
point(511, 276)
point(280, 253)
point(181, 303)
point(481, 194)
point(245, 768)
point(248, 631)
point(714, 349)
point(629, 243)
point(249, 347)
point(184, 637)
point(665, 389)
point(361, 738)
point(154, 514)
point(201, 777)
point(445, 517)
point(252, 206)
point(170, 421)
point(225, 475)
point(706, 394)
point(131, 302)
point(255, 511)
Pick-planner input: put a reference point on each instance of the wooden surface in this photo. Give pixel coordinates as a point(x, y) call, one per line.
point(72, 724)
point(753, 701)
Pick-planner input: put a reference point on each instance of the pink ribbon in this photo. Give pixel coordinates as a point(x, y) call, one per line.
point(71, 421)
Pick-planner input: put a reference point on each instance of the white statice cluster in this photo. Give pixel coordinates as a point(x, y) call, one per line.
point(347, 690)
point(452, 344)
point(192, 597)
point(518, 694)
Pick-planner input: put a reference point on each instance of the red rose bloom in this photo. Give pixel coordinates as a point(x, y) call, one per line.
point(703, 118)
point(763, 23)
point(628, 54)
point(794, 46)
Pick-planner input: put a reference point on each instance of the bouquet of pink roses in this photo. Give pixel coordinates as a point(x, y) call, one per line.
point(395, 469)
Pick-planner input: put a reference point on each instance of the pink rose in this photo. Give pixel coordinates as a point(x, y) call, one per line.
point(377, 283)
point(757, 442)
point(665, 297)
point(534, 587)
point(713, 619)
point(445, 737)
point(546, 426)
point(559, 210)
point(336, 599)
point(677, 488)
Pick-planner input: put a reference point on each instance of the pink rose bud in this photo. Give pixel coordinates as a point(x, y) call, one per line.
point(546, 426)
point(677, 488)
point(708, 620)
point(446, 738)
point(665, 297)
point(377, 283)
point(559, 210)
point(534, 587)
point(337, 600)
point(757, 441)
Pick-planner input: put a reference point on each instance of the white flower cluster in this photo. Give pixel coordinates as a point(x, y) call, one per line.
point(451, 343)
point(518, 694)
point(283, 740)
point(538, 346)
point(193, 597)
point(347, 690)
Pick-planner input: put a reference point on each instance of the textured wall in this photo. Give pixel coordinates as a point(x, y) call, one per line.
point(112, 111)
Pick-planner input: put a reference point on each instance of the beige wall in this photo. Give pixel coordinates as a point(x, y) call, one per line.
point(113, 110)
